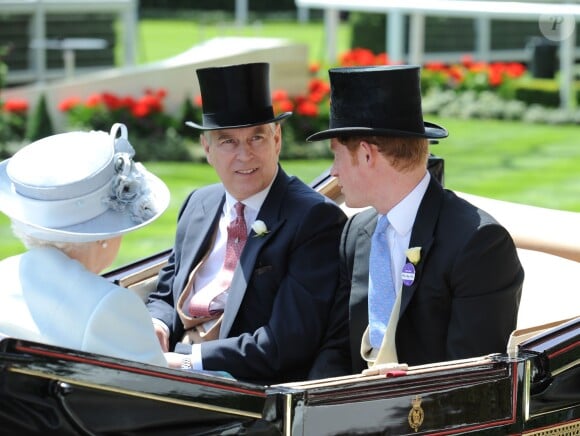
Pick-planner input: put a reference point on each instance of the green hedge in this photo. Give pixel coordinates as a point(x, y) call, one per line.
point(368, 31)
point(445, 33)
point(545, 92)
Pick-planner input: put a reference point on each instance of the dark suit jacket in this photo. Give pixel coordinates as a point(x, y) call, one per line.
point(464, 299)
point(282, 291)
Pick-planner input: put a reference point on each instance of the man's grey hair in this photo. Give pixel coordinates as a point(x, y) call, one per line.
point(206, 133)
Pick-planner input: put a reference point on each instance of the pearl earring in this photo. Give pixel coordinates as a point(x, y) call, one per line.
point(104, 244)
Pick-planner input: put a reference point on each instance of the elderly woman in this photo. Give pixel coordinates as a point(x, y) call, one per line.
point(70, 198)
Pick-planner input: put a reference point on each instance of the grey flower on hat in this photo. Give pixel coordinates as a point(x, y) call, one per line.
point(143, 208)
point(125, 189)
point(128, 192)
point(80, 187)
point(129, 188)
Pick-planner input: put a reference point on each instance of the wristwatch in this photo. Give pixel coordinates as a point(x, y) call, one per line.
point(186, 363)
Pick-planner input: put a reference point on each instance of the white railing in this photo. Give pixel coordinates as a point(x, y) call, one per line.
point(38, 9)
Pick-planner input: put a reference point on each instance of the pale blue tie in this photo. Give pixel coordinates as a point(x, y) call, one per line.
point(381, 288)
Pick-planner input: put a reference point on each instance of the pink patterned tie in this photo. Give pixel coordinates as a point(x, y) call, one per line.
point(237, 236)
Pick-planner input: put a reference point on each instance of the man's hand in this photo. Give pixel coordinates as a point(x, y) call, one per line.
point(179, 361)
point(162, 336)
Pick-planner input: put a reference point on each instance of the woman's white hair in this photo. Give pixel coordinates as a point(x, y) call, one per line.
point(30, 241)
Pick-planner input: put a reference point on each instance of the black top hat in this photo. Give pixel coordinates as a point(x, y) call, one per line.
point(236, 96)
point(379, 100)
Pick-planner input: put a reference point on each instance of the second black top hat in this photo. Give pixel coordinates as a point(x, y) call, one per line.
point(378, 100)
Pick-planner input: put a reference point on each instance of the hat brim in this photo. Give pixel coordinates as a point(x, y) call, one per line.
point(432, 131)
point(105, 226)
point(238, 126)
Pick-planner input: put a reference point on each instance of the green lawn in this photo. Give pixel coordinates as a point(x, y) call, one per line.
point(163, 38)
point(527, 163)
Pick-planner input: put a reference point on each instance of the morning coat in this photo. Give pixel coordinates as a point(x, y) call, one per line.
point(282, 290)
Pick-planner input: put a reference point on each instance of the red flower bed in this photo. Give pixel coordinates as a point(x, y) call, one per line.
point(16, 106)
point(13, 116)
point(469, 74)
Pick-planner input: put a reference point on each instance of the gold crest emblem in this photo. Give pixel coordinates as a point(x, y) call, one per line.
point(416, 414)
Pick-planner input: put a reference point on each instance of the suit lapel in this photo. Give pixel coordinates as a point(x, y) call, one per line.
point(201, 226)
point(360, 282)
point(270, 214)
point(422, 235)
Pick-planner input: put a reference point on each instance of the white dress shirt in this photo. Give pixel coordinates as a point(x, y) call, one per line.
point(401, 219)
point(213, 264)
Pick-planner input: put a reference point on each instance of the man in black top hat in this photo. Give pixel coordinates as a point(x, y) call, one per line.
point(428, 276)
point(254, 270)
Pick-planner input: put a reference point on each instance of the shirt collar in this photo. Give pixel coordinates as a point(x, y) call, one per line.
point(253, 202)
point(402, 216)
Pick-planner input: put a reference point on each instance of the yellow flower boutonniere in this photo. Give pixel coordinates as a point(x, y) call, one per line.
point(408, 274)
point(259, 227)
point(413, 254)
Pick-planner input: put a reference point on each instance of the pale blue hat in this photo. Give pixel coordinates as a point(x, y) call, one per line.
point(80, 187)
